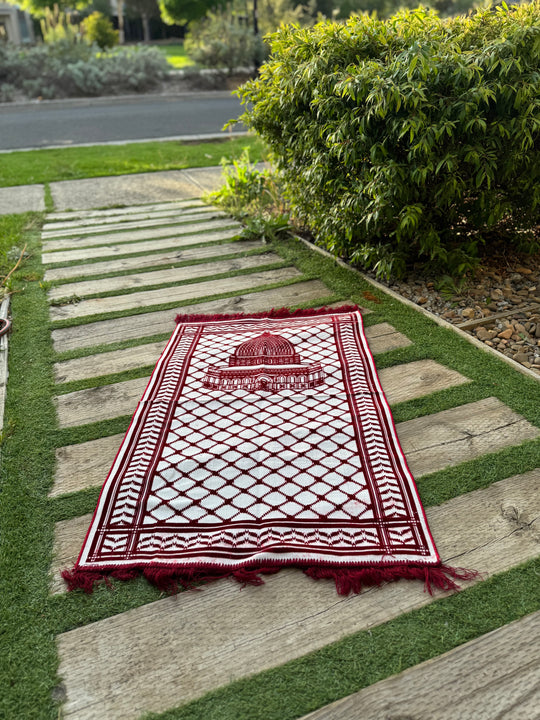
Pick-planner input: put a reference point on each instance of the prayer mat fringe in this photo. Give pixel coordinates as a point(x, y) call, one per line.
point(348, 580)
point(283, 312)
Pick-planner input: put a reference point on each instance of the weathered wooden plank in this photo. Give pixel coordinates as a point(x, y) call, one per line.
point(140, 262)
point(463, 433)
point(101, 403)
point(494, 676)
point(162, 321)
point(80, 232)
point(172, 651)
point(415, 379)
point(161, 277)
point(106, 251)
point(383, 338)
point(147, 298)
point(151, 207)
point(128, 236)
point(125, 216)
point(401, 382)
point(430, 443)
point(84, 465)
point(122, 360)
point(108, 363)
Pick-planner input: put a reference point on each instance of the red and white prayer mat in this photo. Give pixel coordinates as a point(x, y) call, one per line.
point(262, 442)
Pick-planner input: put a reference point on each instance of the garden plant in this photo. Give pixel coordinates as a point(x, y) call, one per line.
point(414, 140)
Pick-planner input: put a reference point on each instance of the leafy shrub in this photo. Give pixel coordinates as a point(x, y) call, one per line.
point(40, 72)
point(7, 92)
point(223, 40)
point(98, 29)
point(252, 196)
point(411, 140)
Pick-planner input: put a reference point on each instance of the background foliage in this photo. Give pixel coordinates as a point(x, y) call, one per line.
point(414, 139)
point(225, 38)
point(98, 29)
point(65, 69)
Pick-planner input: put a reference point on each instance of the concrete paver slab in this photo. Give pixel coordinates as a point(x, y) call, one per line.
point(207, 179)
point(125, 189)
point(23, 198)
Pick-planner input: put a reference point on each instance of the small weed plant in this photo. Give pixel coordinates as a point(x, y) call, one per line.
point(414, 140)
point(253, 196)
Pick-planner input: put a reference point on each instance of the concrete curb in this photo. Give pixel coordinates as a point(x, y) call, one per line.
point(436, 319)
point(174, 138)
point(115, 99)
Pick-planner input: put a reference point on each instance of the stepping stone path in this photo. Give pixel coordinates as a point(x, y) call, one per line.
point(130, 271)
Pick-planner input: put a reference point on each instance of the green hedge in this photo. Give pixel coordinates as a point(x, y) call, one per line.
point(410, 140)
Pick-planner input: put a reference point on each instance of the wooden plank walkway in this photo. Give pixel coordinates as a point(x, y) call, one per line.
point(400, 383)
point(75, 233)
point(139, 262)
point(112, 249)
point(115, 668)
point(130, 236)
point(480, 680)
point(178, 293)
point(80, 216)
point(126, 215)
point(161, 277)
point(201, 641)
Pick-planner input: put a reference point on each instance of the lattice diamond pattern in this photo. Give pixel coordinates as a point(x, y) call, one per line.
point(275, 456)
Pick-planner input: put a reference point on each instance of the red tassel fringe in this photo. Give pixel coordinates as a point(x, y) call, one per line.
point(274, 313)
point(352, 580)
point(347, 580)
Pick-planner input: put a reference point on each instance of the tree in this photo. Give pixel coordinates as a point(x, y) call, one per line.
point(38, 7)
point(182, 12)
point(145, 9)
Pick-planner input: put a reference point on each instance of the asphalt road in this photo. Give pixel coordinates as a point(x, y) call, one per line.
point(74, 122)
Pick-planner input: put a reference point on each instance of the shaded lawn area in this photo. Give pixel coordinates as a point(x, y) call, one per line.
point(176, 55)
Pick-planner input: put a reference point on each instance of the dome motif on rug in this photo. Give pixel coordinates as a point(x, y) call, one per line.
point(266, 362)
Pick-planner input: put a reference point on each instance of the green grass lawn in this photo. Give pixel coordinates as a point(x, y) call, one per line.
point(45, 166)
point(176, 55)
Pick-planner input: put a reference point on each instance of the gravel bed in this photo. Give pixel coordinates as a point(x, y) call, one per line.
point(499, 305)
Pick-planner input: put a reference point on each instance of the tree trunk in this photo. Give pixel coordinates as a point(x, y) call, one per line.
point(120, 11)
point(146, 27)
